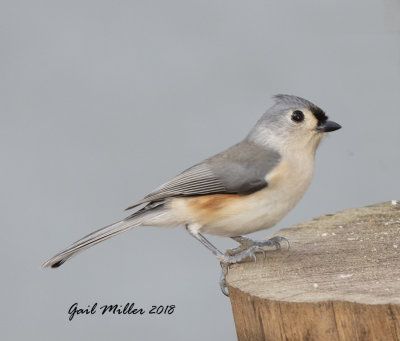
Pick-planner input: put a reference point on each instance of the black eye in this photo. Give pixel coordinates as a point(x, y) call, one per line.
point(297, 116)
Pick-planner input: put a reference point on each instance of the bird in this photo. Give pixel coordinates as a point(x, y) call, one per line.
point(246, 188)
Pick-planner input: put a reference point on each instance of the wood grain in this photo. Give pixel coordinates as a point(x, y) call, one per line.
point(339, 281)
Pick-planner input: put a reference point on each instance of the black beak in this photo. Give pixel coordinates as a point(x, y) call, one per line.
point(328, 126)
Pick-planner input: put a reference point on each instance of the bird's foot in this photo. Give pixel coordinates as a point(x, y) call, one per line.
point(274, 241)
point(240, 254)
point(247, 243)
point(247, 249)
point(231, 257)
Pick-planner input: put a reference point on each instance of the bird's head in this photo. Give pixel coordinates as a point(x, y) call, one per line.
point(292, 123)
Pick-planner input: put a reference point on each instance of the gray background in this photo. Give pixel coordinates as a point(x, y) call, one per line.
point(103, 101)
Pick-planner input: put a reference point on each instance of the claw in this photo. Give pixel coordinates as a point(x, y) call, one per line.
point(287, 242)
point(258, 249)
point(224, 289)
point(222, 282)
point(264, 254)
point(278, 239)
point(275, 244)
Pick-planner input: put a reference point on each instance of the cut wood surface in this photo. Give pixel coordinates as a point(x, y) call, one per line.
point(340, 280)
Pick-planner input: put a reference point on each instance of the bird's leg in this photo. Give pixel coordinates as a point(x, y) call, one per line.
point(204, 241)
point(217, 253)
point(246, 250)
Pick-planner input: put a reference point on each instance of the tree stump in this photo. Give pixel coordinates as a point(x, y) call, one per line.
point(340, 280)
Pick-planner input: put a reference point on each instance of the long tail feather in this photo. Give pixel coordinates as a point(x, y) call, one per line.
point(97, 237)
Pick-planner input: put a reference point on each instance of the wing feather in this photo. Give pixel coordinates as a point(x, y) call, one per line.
point(197, 180)
point(241, 169)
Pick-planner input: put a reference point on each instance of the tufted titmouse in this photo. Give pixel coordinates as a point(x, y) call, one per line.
point(246, 188)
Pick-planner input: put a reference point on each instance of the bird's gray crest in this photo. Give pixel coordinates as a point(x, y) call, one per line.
point(284, 102)
point(292, 101)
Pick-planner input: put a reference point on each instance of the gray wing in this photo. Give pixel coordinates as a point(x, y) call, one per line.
point(241, 169)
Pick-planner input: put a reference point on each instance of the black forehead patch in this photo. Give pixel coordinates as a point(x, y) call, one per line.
point(319, 114)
